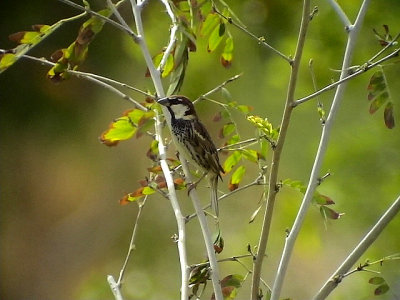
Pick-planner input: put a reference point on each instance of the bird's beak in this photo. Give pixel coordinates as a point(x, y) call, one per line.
point(163, 101)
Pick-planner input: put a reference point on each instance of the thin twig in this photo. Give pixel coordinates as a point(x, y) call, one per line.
point(131, 244)
point(172, 36)
point(255, 182)
point(217, 88)
point(99, 80)
point(260, 40)
point(105, 19)
point(272, 189)
point(313, 180)
point(366, 67)
point(117, 14)
point(359, 250)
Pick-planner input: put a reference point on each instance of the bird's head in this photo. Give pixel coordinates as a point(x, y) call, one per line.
point(179, 107)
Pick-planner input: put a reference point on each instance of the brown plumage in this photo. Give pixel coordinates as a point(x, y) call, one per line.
point(193, 141)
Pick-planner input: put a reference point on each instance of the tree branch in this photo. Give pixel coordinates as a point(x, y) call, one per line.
point(155, 75)
point(342, 15)
point(97, 79)
point(364, 68)
point(359, 250)
point(313, 181)
point(272, 185)
point(105, 19)
point(260, 40)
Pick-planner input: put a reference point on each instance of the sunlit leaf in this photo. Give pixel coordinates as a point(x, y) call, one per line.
point(264, 125)
point(232, 161)
point(6, 60)
point(233, 140)
point(227, 53)
point(215, 38)
point(236, 178)
point(210, 24)
point(251, 155)
point(120, 129)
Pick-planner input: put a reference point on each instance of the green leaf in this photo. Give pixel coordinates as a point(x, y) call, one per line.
point(227, 53)
point(6, 60)
point(251, 155)
point(228, 129)
point(215, 38)
point(209, 24)
point(120, 129)
point(148, 190)
point(232, 161)
point(237, 176)
point(233, 140)
point(382, 289)
point(169, 65)
point(245, 108)
point(264, 125)
point(376, 280)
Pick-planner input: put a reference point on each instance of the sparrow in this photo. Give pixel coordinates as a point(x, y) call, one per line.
point(194, 142)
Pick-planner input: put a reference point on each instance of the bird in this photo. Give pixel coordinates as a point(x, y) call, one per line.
point(194, 142)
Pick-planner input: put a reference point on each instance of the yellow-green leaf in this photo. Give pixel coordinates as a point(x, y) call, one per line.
point(120, 129)
point(232, 161)
point(215, 38)
point(237, 176)
point(250, 155)
point(209, 24)
point(7, 60)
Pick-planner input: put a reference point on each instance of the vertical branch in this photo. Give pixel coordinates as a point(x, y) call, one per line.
point(313, 181)
point(367, 241)
point(193, 194)
point(273, 177)
point(180, 219)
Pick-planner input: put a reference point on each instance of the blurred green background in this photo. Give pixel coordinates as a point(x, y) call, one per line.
point(62, 229)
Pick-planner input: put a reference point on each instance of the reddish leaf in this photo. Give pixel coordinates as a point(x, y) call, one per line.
point(217, 117)
point(124, 200)
point(382, 289)
point(329, 213)
point(388, 115)
point(155, 169)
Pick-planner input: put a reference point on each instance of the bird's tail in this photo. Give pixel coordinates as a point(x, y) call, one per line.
point(214, 195)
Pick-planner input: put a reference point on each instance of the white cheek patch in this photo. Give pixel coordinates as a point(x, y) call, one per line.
point(179, 111)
